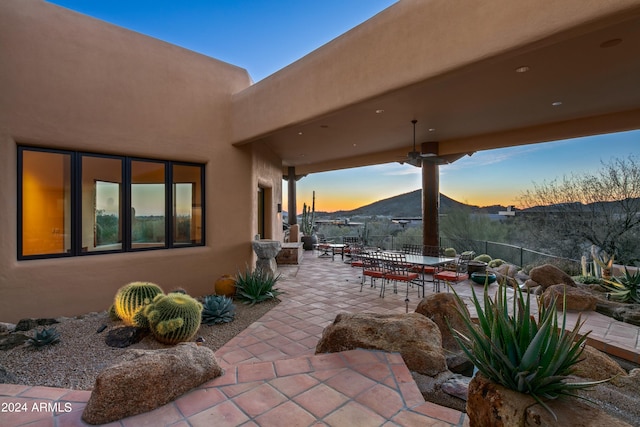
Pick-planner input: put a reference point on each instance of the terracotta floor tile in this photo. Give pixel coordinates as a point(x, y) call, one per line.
point(258, 348)
point(235, 356)
point(411, 394)
point(45, 393)
point(162, 416)
point(259, 400)
point(288, 414)
point(198, 400)
point(226, 414)
point(230, 376)
point(292, 366)
point(237, 389)
point(328, 361)
point(382, 399)
point(76, 396)
point(325, 374)
point(256, 372)
point(376, 371)
point(293, 349)
point(321, 400)
point(440, 412)
point(273, 355)
point(293, 385)
point(350, 383)
point(12, 389)
point(402, 373)
point(413, 419)
point(20, 411)
point(354, 414)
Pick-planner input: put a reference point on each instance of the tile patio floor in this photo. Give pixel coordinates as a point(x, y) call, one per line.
point(273, 378)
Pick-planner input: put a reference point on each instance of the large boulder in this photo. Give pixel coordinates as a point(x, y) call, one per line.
point(442, 308)
point(547, 275)
point(576, 299)
point(415, 337)
point(148, 380)
point(594, 365)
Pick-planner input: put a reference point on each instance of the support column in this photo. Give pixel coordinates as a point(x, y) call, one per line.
point(430, 199)
point(293, 209)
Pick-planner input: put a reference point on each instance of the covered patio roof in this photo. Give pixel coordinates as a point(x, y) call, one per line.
point(454, 66)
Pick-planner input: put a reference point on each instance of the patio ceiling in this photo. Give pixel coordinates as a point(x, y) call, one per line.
point(454, 70)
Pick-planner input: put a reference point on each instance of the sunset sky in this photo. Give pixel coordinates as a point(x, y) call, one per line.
point(264, 36)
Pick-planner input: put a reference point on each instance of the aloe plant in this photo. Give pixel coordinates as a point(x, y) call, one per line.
point(625, 288)
point(256, 286)
point(518, 352)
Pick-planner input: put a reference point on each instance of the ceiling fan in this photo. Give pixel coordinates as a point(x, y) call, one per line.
point(415, 157)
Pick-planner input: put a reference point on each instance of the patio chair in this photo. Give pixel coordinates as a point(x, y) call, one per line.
point(373, 267)
point(399, 271)
point(355, 253)
point(455, 273)
point(350, 241)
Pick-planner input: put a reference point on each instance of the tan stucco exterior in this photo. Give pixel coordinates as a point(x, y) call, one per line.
point(72, 82)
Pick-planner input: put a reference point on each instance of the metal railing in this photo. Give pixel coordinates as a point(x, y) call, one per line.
point(512, 254)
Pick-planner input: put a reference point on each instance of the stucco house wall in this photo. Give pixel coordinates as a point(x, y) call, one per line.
point(75, 83)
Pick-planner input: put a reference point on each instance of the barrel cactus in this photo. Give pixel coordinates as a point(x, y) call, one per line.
point(483, 258)
point(173, 318)
point(131, 298)
point(450, 252)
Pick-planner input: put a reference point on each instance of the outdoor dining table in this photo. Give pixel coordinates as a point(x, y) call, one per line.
point(418, 261)
point(333, 248)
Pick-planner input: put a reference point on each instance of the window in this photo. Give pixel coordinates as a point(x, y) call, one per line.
point(73, 203)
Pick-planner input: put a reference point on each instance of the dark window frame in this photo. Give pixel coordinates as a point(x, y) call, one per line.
point(76, 204)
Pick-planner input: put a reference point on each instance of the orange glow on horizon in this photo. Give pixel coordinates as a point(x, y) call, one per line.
point(346, 203)
point(351, 202)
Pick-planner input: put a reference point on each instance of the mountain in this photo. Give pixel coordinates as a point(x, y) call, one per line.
point(409, 205)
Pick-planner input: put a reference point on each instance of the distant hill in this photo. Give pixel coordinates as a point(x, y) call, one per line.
point(409, 205)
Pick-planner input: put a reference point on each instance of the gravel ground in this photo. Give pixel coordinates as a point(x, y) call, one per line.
point(82, 354)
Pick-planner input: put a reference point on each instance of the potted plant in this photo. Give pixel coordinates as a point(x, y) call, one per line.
point(520, 361)
point(307, 225)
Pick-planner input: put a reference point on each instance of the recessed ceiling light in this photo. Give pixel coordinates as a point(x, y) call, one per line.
point(522, 69)
point(300, 133)
point(379, 111)
point(610, 43)
point(556, 103)
point(354, 144)
point(432, 129)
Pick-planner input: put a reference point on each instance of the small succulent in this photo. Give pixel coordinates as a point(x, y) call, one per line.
point(46, 336)
point(217, 309)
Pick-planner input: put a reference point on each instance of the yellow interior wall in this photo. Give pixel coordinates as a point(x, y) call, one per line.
point(44, 204)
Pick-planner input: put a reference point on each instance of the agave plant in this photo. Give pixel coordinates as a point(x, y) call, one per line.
point(625, 288)
point(217, 309)
point(518, 352)
point(256, 286)
point(46, 336)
